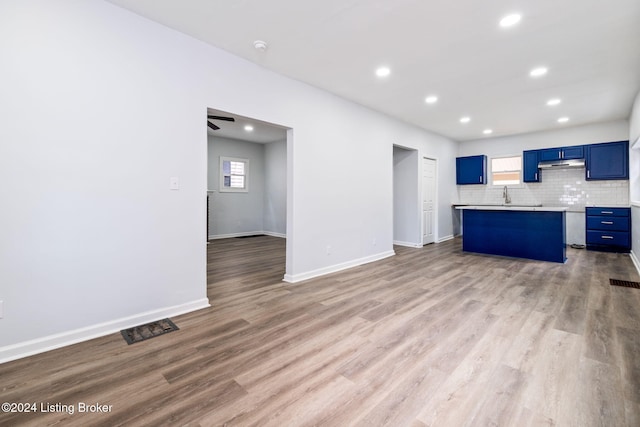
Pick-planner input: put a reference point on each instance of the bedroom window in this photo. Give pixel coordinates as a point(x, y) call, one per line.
point(234, 175)
point(506, 170)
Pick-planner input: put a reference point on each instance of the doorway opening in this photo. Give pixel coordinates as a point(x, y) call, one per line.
point(406, 197)
point(247, 196)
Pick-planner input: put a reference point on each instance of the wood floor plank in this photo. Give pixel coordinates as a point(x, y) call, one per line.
point(599, 336)
point(529, 342)
point(464, 389)
point(500, 404)
point(572, 315)
point(601, 403)
point(554, 378)
point(629, 342)
point(430, 337)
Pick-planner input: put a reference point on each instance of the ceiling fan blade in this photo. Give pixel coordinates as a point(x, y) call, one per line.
point(226, 119)
point(212, 126)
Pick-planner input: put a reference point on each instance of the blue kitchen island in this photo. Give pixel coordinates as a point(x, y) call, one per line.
point(515, 231)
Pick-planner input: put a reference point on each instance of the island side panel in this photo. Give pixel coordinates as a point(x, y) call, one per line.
point(539, 235)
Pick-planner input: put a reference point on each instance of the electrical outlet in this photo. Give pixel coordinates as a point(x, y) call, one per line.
point(328, 250)
point(1, 309)
point(374, 242)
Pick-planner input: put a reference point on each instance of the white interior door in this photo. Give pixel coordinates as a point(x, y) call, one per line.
point(428, 200)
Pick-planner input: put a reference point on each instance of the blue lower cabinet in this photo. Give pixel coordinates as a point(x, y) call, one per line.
point(616, 223)
point(539, 235)
point(609, 239)
point(608, 229)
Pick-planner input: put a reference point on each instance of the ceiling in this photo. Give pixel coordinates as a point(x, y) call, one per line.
point(261, 132)
point(455, 50)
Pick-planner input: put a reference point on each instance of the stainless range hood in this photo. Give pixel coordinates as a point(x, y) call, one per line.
point(562, 164)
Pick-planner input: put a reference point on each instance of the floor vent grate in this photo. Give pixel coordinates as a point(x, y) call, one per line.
point(150, 330)
point(624, 283)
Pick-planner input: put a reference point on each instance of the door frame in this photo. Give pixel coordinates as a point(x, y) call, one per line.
point(435, 199)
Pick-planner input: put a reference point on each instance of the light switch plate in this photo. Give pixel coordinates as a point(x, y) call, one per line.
point(174, 183)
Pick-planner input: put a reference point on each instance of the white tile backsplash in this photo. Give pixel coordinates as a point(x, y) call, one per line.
point(559, 187)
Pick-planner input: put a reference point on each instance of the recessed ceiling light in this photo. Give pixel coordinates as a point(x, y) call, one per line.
point(383, 72)
point(465, 119)
point(510, 20)
point(260, 45)
point(431, 99)
point(563, 119)
point(538, 72)
point(248, 128)
point(554, 101)
point(487, 131)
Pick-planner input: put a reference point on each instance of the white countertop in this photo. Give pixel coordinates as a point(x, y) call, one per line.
point(514, 208)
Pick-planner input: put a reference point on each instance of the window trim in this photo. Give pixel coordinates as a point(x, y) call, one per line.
point(221, 185)
point(520, 171)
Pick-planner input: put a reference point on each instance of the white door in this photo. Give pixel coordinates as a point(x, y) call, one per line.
point(428, 200)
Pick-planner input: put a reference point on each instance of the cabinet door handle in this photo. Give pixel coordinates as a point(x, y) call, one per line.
point(480, 180)
point(606, 222)
point(536, 176)
point(607, 237)
point(607, 212)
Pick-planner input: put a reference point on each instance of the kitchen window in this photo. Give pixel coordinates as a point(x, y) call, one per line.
point(234, 175)
point(506, 170)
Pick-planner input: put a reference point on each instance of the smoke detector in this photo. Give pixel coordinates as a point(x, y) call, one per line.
point(260, 45)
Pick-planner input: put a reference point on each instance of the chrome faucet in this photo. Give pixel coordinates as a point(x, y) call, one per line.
point(505, 194)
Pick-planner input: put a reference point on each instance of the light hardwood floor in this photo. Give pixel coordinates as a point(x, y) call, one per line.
point(430, 337)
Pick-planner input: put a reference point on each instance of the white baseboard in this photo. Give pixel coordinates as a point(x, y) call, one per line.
point(274, 234)
point(51, 342)
point(245, 233)
point(407, 244)
point(230, 235)
point(635, 260)
point(445, 238)
point(293, 278)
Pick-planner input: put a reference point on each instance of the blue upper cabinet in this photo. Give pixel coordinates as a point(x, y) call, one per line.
point(471, 170)
point(530, 171)
point(576, 152)
point(608, 160)
point(562, 153)
point(550, 154)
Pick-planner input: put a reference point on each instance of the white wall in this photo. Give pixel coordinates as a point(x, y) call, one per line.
point(406, 209)
point(275, 183)
point(100, 108)
point(634, 150)
point(634, 178)
point(565, 136)
point(236, 213)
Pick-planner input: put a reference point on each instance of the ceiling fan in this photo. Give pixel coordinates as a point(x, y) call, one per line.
point(213, 126)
